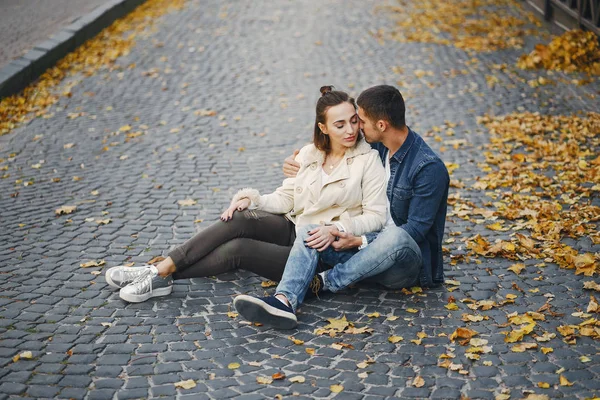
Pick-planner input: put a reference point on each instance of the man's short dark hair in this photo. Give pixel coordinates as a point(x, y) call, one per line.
point(383, 102)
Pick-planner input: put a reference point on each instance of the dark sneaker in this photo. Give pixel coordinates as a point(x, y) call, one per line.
point(315, 287)
point(146, 285)
point(122, 276)
point(266, 310)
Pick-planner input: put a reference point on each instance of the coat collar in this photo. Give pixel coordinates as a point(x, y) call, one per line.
point(316, 155)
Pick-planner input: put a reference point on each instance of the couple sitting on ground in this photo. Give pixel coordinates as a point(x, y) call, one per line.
point(367, 212)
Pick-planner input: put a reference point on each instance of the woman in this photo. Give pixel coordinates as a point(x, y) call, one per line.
point(341, 182)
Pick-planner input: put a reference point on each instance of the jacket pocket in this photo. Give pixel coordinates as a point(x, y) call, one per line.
point(401, 198)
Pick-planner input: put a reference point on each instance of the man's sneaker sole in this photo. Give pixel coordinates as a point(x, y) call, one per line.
point(256, 310)
point(138, 298)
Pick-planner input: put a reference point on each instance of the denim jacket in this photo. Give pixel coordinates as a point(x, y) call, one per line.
point(418, 195)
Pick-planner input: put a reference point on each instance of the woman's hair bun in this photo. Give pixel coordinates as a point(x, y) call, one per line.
point(325, 89)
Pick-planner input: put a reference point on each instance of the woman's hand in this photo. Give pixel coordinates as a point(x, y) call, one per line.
point(239, 205)
point(321, 237)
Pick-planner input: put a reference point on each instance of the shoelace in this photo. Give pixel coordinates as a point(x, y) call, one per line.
point(139, 282)
point(132, 274)
point(315, 286)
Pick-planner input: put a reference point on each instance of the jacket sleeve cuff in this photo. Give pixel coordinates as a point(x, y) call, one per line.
point(247, 193)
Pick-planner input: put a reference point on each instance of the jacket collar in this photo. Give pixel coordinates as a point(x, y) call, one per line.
point(403, 150)
point(316, 155)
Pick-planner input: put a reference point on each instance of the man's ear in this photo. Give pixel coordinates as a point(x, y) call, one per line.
point(322, 128)
point(382, 125)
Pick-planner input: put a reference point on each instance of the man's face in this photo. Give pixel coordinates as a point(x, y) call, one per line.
point(370, 131)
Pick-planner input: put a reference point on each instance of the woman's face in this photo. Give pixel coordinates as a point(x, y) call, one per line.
point(341, 124)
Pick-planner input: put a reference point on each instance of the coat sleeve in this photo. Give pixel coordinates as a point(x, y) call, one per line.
point(374, 201)
point(281, 201)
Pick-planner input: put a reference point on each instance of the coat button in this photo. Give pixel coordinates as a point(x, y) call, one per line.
point(298, 189)
point(342, 184)
point(350, 161)
point(314, 166)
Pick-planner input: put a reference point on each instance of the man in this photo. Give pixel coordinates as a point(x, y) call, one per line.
point(408, 251)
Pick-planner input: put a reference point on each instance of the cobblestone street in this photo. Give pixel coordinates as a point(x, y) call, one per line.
point(130, 143)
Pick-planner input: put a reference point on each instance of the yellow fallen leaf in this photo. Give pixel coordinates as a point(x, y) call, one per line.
point(547, 350)
point(264, 380)
point(564, 381)
point(336, 388)
point(395, 339)
point(517, 268)
point(232, 314)
point(452, 282)
point(186, 202)
point(374, 315)
point(489, 364)
point(65, 210)
point(278, 376)
point(478, 342)
point(103, 221)
point(296, 341)
point(463, 333)
point(593, 306)
point(363, 375)
point(495, 226)
point(472, 318)
point(92, 263)
point(412, 310)
point(189, 384)
point(418, 382)
point(392, 318)
point(452, 307)
point(521, 347)
point(233, 365)
point(584, 359)
point(310, 350)
point(591, 285)
point(511, 296)
point(298, 379)
point(543, 385)
point(268, 284)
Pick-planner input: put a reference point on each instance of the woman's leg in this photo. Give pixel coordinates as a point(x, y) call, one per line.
point(249, 224)
point(262, 258)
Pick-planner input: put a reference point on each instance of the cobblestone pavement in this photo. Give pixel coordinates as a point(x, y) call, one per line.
point(258, 64)
point(23, 24)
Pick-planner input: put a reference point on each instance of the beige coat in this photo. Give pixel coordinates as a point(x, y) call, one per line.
point(355, 196)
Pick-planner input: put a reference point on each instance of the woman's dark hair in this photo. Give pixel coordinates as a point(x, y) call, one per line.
point(383, 102)
point(329, 98)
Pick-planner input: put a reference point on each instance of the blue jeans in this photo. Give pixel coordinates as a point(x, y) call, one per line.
point(393, 259)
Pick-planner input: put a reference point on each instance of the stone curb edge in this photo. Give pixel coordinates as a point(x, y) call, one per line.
point(16, 75)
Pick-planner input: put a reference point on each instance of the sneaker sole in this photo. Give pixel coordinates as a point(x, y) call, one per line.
point(138, 298)
point(255, 310)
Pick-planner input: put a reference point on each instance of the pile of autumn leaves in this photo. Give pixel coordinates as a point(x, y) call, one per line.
point(101, 51)
point(490, 25)
point(545, 174)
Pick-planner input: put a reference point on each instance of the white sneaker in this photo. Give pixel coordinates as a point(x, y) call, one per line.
point(122, 276)
point(148, 284)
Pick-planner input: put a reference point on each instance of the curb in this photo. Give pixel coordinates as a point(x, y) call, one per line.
point(19, 73)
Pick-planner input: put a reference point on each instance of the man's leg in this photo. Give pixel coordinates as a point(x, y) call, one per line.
point(299, 270)
point(393, 247)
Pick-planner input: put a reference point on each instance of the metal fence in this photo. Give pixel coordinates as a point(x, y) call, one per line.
point(570, 14)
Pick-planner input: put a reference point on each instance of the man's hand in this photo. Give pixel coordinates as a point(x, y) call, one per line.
point(239, 205)
point(291, 166)
point(345, 241)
